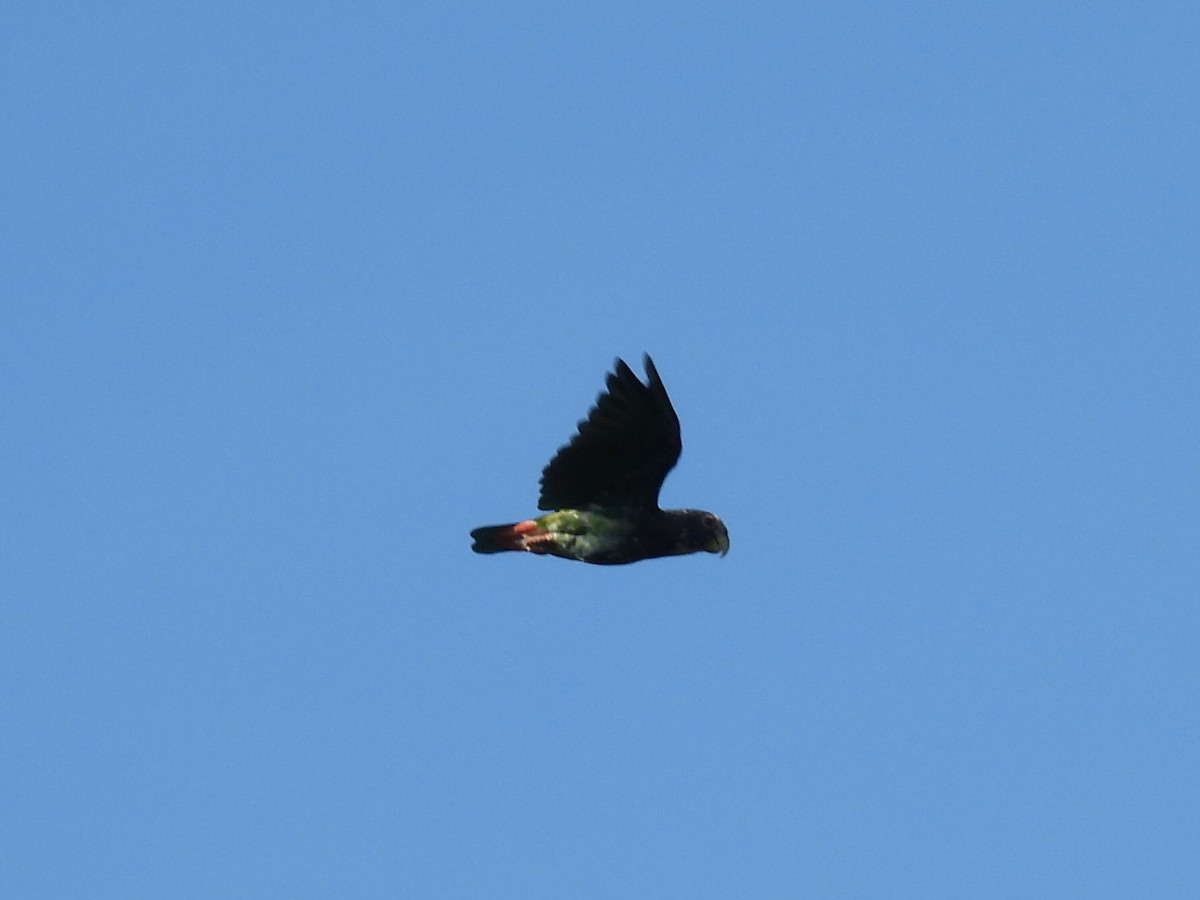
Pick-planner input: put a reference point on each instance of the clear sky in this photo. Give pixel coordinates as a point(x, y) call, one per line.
point(295, 295)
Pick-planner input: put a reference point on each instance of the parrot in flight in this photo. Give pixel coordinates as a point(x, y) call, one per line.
point(600, 490)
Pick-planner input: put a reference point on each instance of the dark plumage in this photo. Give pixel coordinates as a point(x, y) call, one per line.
point(602, 487)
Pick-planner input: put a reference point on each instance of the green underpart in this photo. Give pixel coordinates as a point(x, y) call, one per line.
point(581, 532)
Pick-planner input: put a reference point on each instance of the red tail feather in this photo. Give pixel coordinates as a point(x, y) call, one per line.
point(498, 538)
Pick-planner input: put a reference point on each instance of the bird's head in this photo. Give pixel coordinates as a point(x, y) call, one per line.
point(707, 532)
point(718, 541)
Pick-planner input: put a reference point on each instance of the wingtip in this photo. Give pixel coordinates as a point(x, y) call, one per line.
point(651, 371)
point(620, 368)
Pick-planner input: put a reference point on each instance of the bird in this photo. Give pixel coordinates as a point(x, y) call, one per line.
point(601, 489)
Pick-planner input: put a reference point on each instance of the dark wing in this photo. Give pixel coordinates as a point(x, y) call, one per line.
point(623, 451)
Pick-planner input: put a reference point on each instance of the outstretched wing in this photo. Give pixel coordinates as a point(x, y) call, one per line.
point(623, 451)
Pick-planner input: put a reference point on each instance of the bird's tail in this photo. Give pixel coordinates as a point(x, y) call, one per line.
point(498, 538)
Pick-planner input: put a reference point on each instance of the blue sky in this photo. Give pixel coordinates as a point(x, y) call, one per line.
point(298, 295)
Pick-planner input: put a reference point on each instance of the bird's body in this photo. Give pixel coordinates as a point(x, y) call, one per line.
point(607, 538)
point(602, 487)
